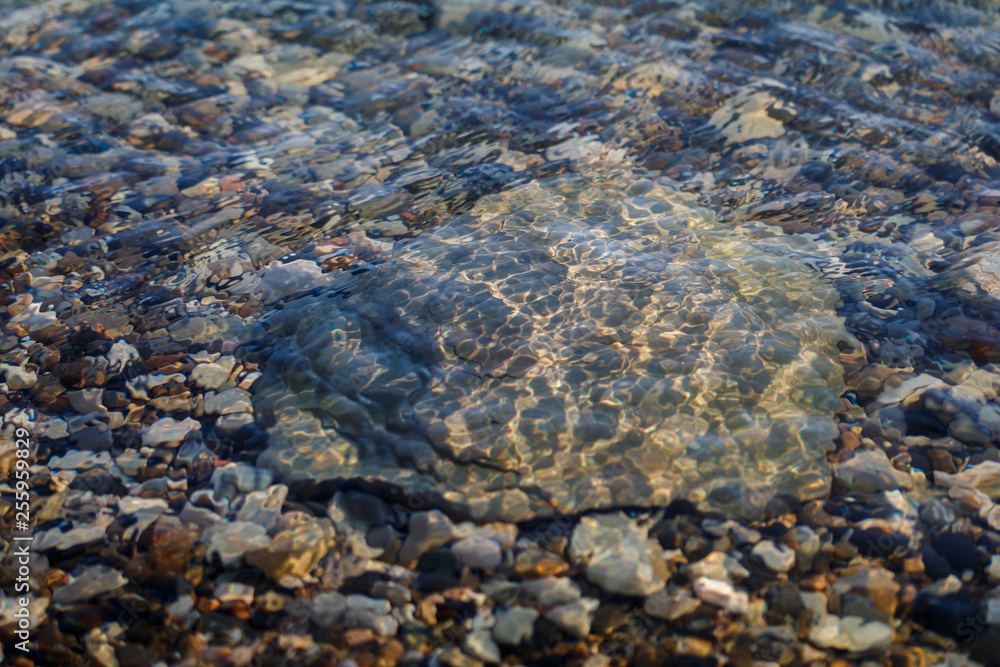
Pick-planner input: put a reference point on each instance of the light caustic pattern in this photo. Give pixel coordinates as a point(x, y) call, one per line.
point(509, 356)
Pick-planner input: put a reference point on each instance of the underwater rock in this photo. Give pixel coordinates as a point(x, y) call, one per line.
point(487, 348)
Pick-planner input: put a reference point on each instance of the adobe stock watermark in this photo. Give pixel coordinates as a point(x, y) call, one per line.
point(20, 555)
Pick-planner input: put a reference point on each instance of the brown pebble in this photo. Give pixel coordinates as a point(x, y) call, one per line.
point(544, 566)
point(427, 609)
point(816, 582)
point(356, 637)
point(914, 565)
point(942, 461)
point(559, 545)
point(7, 461)
point(695, 646)
point(850, 440)
point(205, 605)
point(845, 550)
point(195, 574)
point(393, 650)
point(239, 610)
point(649, 655)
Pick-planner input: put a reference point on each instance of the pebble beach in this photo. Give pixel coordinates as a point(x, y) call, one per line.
point(499, 332)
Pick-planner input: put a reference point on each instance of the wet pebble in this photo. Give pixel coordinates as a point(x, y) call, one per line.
point(574, 617)
point(851, 633)
point(619, 555)
point(514, 625)
point(721, 594)
point(777, 557)
point(478, 551)
point(428, 530)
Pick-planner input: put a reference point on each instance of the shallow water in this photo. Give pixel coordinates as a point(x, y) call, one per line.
point(524, 257)
point(565, 345)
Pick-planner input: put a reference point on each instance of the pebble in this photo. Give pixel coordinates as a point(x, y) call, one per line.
point(263, 507)
point(168, 432)
point(549, 591)
point(327, 608)
point(876, 583)
point(233, 592)
point(515, 625)
point(365, 612)
point(777, 557)
point(504, 534)
point(428, 530)
point(232, 540)
point(228, 426)
point(984, 476)
point(851, 633)
point(993, 570)
point(807, 543)
point(396, 593)
point(88, 583)
point(235, 478)
point(717, 565)
point(87, 400)
point(722, 594)
point(231, 401)
point(18, 378)
point(213, 375)
point(278, 281)
point(670, 606)
point(77, 536)
point(479, 552)
point(574, 617)
point(480, 645)
point(78, 460)
point(619, 555)
point(300, 541)
point(94, 438)
point(868, 471)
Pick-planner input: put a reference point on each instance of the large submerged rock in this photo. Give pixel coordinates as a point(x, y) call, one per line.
point(567, 345)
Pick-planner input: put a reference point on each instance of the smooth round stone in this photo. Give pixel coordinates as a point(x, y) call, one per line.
point(993, 570)
point(228, 426)
point(717, 565)
point(809, 545)
point(722, 594)
point(851, 633)
point(18, 378)
point(574, 617)
point(479, 552)
point(428, 530)
point(619, 555)
point(515, 625)
point(868, 471)
point(670, 607)
point(480, 645)
point(89, 583)
point(549, 591)
point(327, 608)
point(366, 612)
point(232, 540)
point(231, 401)
point(168, 430)
point(234, 592)
point(777, 557)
